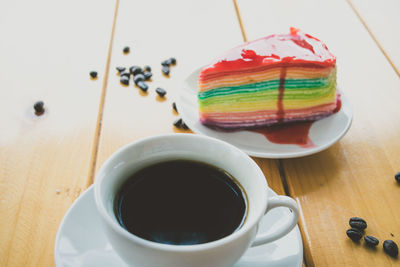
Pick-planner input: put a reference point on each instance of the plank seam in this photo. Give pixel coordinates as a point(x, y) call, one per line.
point(373, 37)
point(240, 21)
point(96, 142)
point(282, 174)
point(279, 162)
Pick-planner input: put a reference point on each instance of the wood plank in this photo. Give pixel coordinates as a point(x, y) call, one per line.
point(355, 176)
point(194, 32)
point(382, 20)
point(47, 50)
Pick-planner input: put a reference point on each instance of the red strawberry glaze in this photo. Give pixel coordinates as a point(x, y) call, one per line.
point(295, 133)
point(274, 50)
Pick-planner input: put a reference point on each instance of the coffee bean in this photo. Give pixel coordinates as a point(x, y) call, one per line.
point(354, 234)
point(135, 70)
point(174, 107)
point(138, 78)
point(147, 68)
point(390, 247)
point(358, 223)
point(172, 60)
point(93, 74)
point(169, 62)
point(371, 241)
point(184, 126)
point(161, 92)
point(147, 75)
point(125, 73)
point(39, 108)
point(124, 80)
point(143, 86)
point(120, 69)
point(165, 70)
point(397, 177)
point(126, 50)
point(178, 123)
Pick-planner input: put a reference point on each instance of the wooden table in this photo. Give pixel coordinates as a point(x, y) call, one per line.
point(48, 48)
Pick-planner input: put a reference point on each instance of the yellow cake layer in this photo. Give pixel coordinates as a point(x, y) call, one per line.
point(267, 104)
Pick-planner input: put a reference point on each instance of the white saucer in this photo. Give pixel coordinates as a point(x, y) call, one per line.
point(81, 241)
point(323, 133)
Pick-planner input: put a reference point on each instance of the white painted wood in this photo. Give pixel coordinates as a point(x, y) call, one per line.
point(382, 17)
point(194, 32)
point(356, 176)
point(47, 49)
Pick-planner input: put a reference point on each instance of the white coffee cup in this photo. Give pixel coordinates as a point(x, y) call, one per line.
point(223, 252)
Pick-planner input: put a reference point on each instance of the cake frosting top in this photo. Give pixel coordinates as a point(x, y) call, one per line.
point(277, 49)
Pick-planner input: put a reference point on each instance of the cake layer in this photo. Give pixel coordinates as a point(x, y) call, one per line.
point(238, 120)
point(269, 105)
point(258, 76)
point(306, 84)
point(257, 124)
point(276, 79)
point(266, 99)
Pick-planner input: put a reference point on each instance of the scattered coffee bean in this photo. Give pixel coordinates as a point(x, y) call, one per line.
point(390, 247)
point(184, 126)
point(125, 73)
point(392, 234)
point(161, 92)
point(358, 223)
point(169, 62)
point(93, 74)
point(397, 177)
point(172, 60)
point(138, 71)
point(135, 70)
point(138, 78)
point(147, 68)
point(165, 70)
point(371, 241)
point(147, 75)
point(39, 108)
point(174, 107)
point(120, 69)
point(143, 86)
point(126, 50)
point(124, 80)
point(166, 64)
point(354, 234)
point(178, 123)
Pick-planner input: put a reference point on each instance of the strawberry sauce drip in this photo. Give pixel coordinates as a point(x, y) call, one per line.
point(338, 104)
point(295, 133)
point(281, 111)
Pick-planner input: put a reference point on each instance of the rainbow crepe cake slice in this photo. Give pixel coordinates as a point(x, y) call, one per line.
point(276, 79)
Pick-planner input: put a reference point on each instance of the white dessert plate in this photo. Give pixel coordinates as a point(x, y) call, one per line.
point(81, 242)
point(323, 133)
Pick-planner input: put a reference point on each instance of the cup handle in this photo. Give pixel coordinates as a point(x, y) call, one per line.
point(275, 202)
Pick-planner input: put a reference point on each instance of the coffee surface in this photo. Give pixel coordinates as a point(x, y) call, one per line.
point(180, 202)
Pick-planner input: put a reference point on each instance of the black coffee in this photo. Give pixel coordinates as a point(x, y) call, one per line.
point(181, 202)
